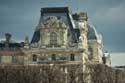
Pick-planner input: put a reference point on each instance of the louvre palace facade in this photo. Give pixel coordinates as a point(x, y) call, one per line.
point(60, 37)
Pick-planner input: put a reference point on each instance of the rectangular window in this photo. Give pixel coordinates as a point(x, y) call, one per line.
point(14, 59)
point(34, 58)
point(72, 57)
point(53, 57)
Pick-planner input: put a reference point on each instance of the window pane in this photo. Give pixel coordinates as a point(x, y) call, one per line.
point(72, 57)
point(53, 57)
point(34, 58)
point(14, 59)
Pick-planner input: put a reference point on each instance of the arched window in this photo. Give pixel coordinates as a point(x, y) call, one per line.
point(34, 58)
point(53, 39)
point(72, 57)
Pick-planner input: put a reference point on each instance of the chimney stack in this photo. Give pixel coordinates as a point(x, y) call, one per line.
point(8, 37)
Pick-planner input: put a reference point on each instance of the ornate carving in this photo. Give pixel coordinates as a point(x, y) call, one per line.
point(54, 22)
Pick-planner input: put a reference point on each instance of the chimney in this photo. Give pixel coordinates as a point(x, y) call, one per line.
point(8, 37)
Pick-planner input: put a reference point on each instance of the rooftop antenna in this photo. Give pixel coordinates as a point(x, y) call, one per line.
point(77, 5)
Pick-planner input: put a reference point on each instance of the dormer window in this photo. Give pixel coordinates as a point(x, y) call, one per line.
point(53, 39)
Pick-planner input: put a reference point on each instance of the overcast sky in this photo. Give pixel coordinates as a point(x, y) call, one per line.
point(20, 17)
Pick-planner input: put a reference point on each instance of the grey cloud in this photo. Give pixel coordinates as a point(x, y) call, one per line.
point(114, 14)
point(110, 21)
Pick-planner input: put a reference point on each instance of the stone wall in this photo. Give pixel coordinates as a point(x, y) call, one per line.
point(72, 73)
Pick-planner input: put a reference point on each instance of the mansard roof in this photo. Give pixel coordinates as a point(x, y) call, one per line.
point(11, 43)
point(36, 35)
point(55, 10)
point(75, 33)
point(2, 45)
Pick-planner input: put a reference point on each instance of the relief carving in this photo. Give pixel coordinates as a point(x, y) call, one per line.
point(54, 22)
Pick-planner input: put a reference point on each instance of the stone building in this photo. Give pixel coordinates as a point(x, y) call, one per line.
point(60, 37)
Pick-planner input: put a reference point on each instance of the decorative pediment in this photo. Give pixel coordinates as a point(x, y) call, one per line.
point(54, 22)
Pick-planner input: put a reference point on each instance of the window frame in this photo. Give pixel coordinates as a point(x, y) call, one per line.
point(53, 39)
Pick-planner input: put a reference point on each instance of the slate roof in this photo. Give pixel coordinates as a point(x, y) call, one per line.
point(2, 45)
point(75, 33)
point(36, 35)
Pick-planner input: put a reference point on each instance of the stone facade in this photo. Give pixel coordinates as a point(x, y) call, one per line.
point(60, 36)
